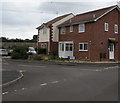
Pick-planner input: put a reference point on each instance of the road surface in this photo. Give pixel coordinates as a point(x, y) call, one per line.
point(45, 81)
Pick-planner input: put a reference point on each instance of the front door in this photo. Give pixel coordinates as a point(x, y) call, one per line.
point(111, 51)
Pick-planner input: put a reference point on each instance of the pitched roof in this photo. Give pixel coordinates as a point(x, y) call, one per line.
point(88, 16)
point(54, 20)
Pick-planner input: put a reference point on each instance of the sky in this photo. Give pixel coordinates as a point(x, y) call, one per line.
point(19, 18)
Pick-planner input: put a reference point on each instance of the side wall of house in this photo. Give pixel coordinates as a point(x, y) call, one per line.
point(44, 37)
point(100, 39)
point(119, 37)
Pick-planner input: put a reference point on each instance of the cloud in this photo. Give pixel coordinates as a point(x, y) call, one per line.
point(19, 19)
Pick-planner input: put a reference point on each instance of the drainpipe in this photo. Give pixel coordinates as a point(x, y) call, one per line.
point(89, 50)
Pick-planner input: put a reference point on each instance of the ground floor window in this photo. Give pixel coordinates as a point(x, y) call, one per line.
point(43, 45)
point(83, 46)
point(69, 47)
point(61, 47)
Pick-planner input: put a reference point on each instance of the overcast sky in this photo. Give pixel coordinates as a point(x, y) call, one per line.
point(20, 18)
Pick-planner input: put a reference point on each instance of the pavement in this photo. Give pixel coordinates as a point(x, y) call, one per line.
point(8, 76)
point(49, 81)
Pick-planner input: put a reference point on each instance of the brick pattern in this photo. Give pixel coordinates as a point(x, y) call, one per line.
point(96, 38)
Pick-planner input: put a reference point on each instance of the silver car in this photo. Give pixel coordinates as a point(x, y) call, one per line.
point(3, 52)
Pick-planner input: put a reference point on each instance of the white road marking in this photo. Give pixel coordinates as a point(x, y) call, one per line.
point(24, 88)
point(114, 67)
point(5, 93)
point(98, 70)
point(43, 84)
point(6, 63)
point(54, 81)
point(15, 90)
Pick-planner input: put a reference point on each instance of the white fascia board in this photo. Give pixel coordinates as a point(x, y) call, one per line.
point(105, 13)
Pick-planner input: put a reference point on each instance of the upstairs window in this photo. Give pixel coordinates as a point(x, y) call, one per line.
point(71, 28)
point(83, 46)
point(116, 28)
point(62, 30)
point(44, 31)
point(106, 26)
point(81, 28)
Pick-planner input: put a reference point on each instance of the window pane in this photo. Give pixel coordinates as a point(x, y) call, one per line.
point(62, 30)
point(81, 46)
point(71, 47)
point(62, 46)
point(116, 28)
point(106, 26)
point(81, 28)
point(43, 45)
point(71, 28)
point(67, 47)
point(85, 46)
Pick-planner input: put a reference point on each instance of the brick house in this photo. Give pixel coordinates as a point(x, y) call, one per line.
point(92, 36)
point(48, 33)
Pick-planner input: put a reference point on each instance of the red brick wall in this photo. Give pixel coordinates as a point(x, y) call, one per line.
point(77, 38)
point(119, 38)
point(101, 37)
point(54, 48)
point(96, 37)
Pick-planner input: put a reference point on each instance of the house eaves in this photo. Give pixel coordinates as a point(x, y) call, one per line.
point(91, 19)
point(106, 13)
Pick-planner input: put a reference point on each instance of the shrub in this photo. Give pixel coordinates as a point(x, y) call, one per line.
point(15, 55)
point(42, 51)
point(36, 57)
point(20, 52)
point(51, 57)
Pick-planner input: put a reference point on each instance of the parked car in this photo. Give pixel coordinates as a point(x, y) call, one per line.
point(3, 52)
point(10, 51)
point(31, 50)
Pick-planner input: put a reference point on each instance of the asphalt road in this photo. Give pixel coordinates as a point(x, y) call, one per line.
point(44, 81)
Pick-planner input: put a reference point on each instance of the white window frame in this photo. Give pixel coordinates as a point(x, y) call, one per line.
point(83, 47)
point(116, 28)
point(62, 30)
point(106, 27)
point(79, 28)
point(61, 47)
point(44, 45)
point(71, 28)
point(70, 46)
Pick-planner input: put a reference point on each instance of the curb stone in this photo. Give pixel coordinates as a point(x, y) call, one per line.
point(13, 81)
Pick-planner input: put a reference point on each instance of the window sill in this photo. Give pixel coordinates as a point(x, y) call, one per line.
point(83, 50)
point(81, 31)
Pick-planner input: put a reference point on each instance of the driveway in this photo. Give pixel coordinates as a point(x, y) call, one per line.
point(46, 81)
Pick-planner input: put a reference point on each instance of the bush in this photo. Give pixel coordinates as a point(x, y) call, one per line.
point(15, 55)
point(20, 52)
point(42, 57)
point(42, 51)
point(36, 57)
point(52, 56)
